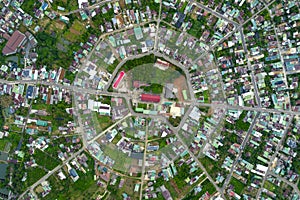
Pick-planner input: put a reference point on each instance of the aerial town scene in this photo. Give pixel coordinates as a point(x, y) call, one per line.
point(150, 99)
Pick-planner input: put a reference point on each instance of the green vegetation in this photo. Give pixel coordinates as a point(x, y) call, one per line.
point(128, 188)
point(2, 119)
point(117, 138)
point(67, 4)
point(13, 140)
point(238, 186)
point(33, 175)
point(70, 76)
point(207, 186)
point(196, 29)
point(56, 113)
point(175, 121)
point(100, 19)
point(240, 124)
point(130, 64)
point(49, 54)
point(111, 68)
point(142, 105)
point(83, 188)
point(206, 96)
point(153, 88)
point(122, 161)
point(75, 32)
point(45, 160)
point(104, 121)
point(29, 5)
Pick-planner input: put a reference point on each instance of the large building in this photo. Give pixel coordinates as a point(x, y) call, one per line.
point(13, 43)
point(101, 108)
point(150, 98)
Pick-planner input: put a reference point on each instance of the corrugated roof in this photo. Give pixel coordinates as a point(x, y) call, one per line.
point(150, 98)
point(13, 43)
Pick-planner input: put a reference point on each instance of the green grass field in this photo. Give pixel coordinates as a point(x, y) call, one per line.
point(45, 160)
point(238, 186)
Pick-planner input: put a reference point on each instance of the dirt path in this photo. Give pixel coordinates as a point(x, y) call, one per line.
point(180, 84)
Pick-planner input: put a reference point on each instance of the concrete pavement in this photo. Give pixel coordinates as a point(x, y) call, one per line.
point(240, 153)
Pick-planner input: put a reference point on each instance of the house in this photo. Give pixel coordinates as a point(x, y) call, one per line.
point(13, 43)
point(169, 91)
point(3, 156)
point(150, 98)
point(29, 93)
point(73, 174)
point(165, 192)
point(4, 193)
point(3, 171)
point(138, 33)
point(81, 3)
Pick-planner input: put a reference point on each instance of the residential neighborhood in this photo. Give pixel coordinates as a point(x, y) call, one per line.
point(156, 99)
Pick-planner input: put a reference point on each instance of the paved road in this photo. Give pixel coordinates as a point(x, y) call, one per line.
point(51, 173)
point(157, 27)
point(121, 64)
point(108, 129)
point(295, 187)
point(96, 5)
point(253, 80)
point(125, 95)
point(281, 57)
point(80, 124)
point(198, 162)
point(232, 32)
point(279, 145)
point(236, 107)
point(214, 12)
point(144, 162)
point(240, 153)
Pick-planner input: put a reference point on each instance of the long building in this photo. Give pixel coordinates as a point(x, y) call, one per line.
point(150, 98)
point(13, 43)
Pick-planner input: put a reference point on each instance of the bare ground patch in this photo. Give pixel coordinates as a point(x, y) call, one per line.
point(180, 84)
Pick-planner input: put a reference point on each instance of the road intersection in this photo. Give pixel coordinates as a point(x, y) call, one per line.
point(193, 102)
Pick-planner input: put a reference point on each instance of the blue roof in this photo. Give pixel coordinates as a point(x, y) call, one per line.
point(29, 91)
point(152, 148)
point(45, 6)
point(73, 172)
point(149, 43)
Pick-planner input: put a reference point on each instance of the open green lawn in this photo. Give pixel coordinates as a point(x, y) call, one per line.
point(128, 188)
point(154, 88)
point(56, 113)
point(240, 124)
point(33, 175)
point(238, 186)
point(104, 121)
point(67, 4)
point(207, 186)
point(270, 186)
point(83, 188)
point(122, 160)
point(117, 138)
point(13, 139)
point(29, 5)
point(45, 160)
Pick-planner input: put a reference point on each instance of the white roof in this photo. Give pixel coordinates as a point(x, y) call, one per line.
point(80, 2)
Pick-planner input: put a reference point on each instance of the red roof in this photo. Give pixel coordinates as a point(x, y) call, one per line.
point(13, 43)
point(150, 98)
